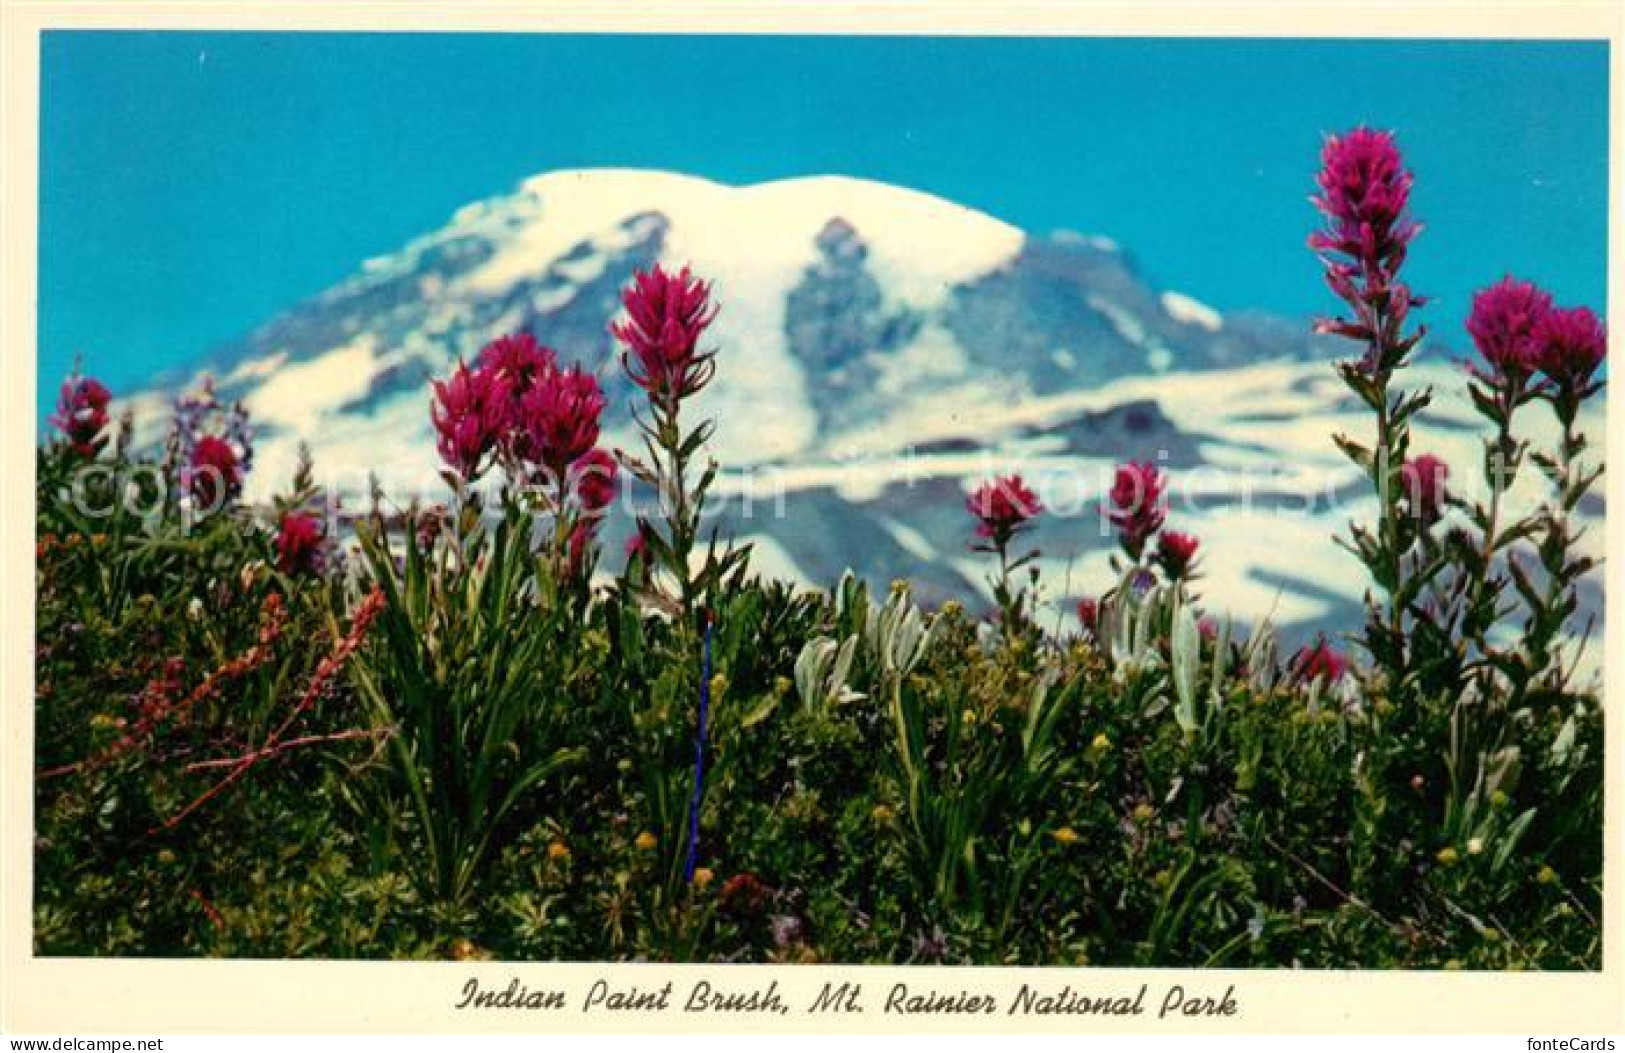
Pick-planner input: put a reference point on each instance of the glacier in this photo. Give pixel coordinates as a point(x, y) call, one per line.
point(880, 351)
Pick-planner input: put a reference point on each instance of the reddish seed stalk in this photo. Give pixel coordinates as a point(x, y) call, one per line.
point(364, 616)
point(275, 616)
point(267, 752)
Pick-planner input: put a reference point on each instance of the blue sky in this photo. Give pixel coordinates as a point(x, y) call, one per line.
point(193, 184)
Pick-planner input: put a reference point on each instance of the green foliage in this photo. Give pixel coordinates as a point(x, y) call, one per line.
point(885, 784)
point(478, 653)
point(453, 742)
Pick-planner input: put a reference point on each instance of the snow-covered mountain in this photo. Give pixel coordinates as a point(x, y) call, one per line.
point(880, 351)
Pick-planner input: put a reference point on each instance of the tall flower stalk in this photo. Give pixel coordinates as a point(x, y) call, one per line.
point(1364, 197)
point(1504, 324)
point(1571, 344)
point(666, 317)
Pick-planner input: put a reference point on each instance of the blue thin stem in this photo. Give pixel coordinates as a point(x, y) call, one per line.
point(699, 759)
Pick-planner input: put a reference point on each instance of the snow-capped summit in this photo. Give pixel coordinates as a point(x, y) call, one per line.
point(846, 304)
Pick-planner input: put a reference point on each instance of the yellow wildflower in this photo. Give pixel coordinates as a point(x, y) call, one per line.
point(466, 950)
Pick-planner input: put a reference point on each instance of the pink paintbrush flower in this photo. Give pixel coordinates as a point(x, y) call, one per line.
point(81, 412)
point(1571, 345)
point(1364, 198)
point(666, 314)
point(469, 412)
point(1176, 552)
point(1320, 662)
point(593, 479)
point(1424, 477)
point(1137, 506)
point(516, 360)
point(560, 414)
point(1365, 192)
point(215, 474)
point(1002, 507)
point(299, 541)
point(1089, 615)
point(1505, 324)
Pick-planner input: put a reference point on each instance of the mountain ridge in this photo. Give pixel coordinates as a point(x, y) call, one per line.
point(880, 350)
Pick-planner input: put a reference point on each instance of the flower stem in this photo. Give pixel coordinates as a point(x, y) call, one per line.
point(1387, 450)
point(1501, 469)
point(699, 759)
point(682, 529)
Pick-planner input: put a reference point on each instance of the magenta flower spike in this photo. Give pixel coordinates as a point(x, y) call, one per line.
point(1506, 322)
point(560, 415)
point(1137, 505)
point(1320, 662)
point(1003, 508)
point(1364, 198)
point(299, 540)
point(1424, 477)
point(81, 412)
point(1571, 345)
point(593, 480)
point(216, 476)
point(469, 413)
point(516, 360)
point(1177, 553)
point(1364, 194)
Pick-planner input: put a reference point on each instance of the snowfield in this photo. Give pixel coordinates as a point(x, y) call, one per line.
point(880, 352)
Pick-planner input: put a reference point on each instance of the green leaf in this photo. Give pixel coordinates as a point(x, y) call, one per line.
point(1360, 455)
point(1507, 842)
point(760, 712)
point(1185, 658)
